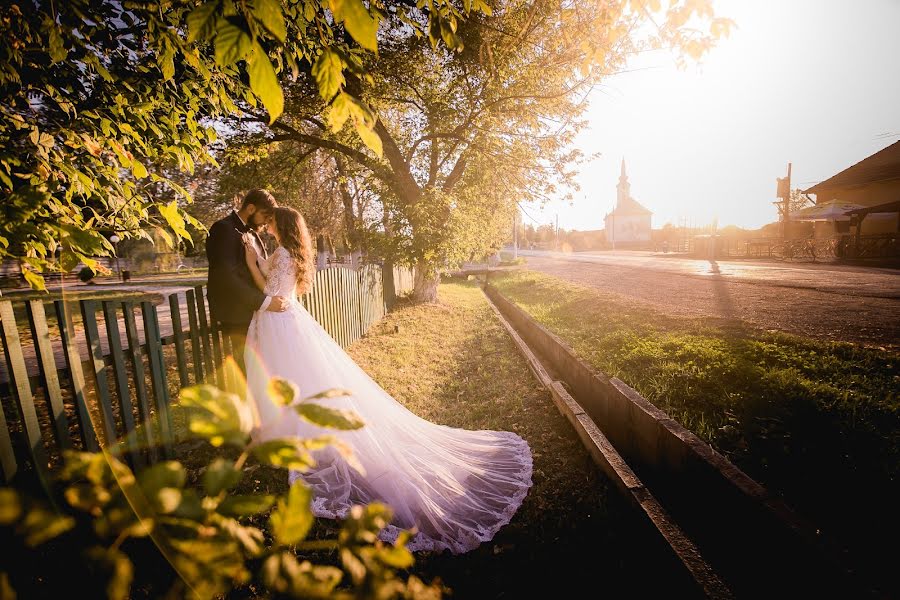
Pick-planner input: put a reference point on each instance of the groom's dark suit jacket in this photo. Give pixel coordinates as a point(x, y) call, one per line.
point(231, 292)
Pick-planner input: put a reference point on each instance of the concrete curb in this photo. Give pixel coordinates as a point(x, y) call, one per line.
point(615, 467)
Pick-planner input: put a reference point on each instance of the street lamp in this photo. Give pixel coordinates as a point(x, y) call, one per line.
point(115, 240)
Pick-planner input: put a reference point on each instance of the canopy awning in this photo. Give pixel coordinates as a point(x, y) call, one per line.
point(887, 207)
point(833, 210)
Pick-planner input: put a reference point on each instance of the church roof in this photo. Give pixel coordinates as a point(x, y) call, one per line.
point(630, 206)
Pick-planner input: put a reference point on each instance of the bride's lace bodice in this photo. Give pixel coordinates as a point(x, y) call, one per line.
point(281, 274)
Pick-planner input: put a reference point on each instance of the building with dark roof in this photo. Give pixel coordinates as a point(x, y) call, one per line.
point(873, 181)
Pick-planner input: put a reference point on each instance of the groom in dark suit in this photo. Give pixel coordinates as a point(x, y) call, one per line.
point(232, 295)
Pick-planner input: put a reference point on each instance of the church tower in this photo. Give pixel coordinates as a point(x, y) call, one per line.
point(623, 189)
point(629, 222)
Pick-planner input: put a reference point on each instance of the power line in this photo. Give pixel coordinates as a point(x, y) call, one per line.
point(526, 213)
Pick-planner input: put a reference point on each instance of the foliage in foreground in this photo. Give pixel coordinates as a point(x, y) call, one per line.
point(110, 531)
point(103, 101)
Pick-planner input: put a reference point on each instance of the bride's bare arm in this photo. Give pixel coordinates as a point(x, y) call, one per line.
point(251, 256)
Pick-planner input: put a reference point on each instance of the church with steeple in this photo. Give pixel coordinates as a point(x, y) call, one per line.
point(629, 223)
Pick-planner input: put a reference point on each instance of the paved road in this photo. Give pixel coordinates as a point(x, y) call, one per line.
point(825, 301)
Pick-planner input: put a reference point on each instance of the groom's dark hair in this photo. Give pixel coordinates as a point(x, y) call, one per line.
point(261, 199)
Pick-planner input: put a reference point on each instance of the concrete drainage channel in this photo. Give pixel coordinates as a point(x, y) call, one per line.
point(723, 529)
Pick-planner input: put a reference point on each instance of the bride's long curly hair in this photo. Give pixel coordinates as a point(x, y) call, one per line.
point(294, 237)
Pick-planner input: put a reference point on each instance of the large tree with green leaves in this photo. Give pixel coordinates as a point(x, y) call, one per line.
point(99, 97)
point(453, 135)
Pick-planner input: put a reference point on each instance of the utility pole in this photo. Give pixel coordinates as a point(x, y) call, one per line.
point(783, 191)
point(516, 235)
point(556, 234)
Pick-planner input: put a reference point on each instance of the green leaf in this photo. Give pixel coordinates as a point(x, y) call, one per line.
point(87, 497)
point(329, 417)
point(282, 391)
point(232, 43)
point(41, 525)
point(396, 557)
point(33, 279)
point(215, 415)
point(167, 474)
point(283, 453)
point(369, 137)
point(339, 112)
point(167, 62)
point(269, 14)
point(173, 217)
point(331, 393)
point(359, 23)
point(68, 260)
point(139, 170)
point(200, 22)
point(220, 476)
point(244, 505)
point(264, 82)
point(292, 518)
point(57, 47)
point(329, 75)
point(166, 500)
point(10, 506)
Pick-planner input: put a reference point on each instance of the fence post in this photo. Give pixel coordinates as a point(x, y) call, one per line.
point(76, 375)
point(117, 355)
point(209, 367)
point(101, 386)
point(37, 319)
point(196, 352)
point(137, 365)
point(178, 333)
point(158, 375)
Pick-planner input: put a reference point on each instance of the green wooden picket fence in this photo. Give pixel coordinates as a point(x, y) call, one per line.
point(64, 398)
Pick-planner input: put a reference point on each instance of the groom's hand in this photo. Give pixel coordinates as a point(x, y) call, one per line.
point(278, 304)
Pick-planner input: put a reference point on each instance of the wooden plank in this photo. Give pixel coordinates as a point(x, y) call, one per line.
point(137, 368)
point(336, 304)
point(227, 350)
point(98, 369)
point(209, 367)
point(18, 377)
point(337, 300)
point(196, 352)
point(322, 300)
point(216, 349)
point(76, 376)
point(117, 357)
point(158, 376)
point(7, 454)
point(178, 335)
point(37, 319)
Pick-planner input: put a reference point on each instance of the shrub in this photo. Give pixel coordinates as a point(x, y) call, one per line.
point(122, 534)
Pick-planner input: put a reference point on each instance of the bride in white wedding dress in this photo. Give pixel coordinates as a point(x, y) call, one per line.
point(456, 487)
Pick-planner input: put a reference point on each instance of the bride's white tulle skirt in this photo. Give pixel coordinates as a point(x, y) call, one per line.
point(456, 487)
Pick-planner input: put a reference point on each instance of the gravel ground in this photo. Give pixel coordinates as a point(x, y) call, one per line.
point(822, 304)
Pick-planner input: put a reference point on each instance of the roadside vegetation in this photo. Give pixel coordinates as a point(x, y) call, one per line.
point(818, 422)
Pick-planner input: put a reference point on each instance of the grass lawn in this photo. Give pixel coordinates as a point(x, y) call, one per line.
point(816, 421)
point(452, 363)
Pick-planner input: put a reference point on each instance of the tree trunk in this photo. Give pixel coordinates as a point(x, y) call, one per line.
point(425, 288)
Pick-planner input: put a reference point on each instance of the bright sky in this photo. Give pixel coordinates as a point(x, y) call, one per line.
point(810, 82)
